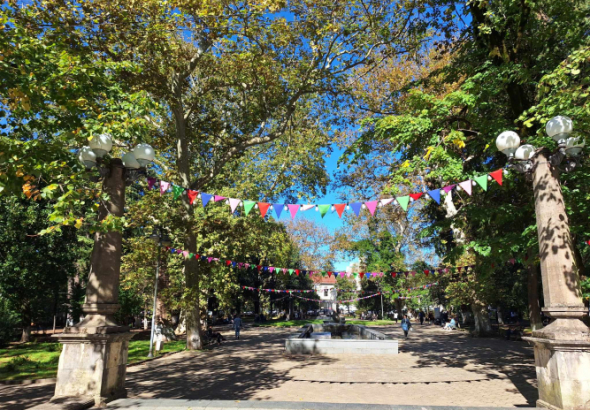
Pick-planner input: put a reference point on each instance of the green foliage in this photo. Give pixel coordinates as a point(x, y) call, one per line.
point(9, 322)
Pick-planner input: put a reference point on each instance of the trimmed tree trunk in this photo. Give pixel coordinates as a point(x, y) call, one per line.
point(481, 319)
point(26, 320)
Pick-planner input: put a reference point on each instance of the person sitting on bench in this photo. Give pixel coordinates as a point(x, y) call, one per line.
point(451, 325)
point(214, 335)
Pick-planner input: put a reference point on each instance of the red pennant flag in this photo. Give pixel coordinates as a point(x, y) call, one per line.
point(197, 256)
point(588, 242)
point(297, 272)
point(459, 268)
point(393, 274)
point(497, 175)
point(192, 195)
point(339, 209)
point(227, 263)
point(361, 274)
point(258, 267)
point(426, 272)
point(417, 196)
point(263, 207)
point(329, 274)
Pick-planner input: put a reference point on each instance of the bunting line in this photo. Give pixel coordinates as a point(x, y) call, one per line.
point(338, 208)
point(297, 272)
point(393, 292)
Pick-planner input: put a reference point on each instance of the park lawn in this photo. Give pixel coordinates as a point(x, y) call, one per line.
point(370, 322)
point(31, 361)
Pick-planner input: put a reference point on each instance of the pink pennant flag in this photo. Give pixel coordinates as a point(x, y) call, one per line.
point(284, 270)
point(372, 206)
point(218, 198)
point(271, 269)
point(386, 201)
point(247, 265)
point(293, 208)
point(449, 188)
point(466, 185)
point(185, 254)
point(209, 259)
point(233, 204)
point(164, 187)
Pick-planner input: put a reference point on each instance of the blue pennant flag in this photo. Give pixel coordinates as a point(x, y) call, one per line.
point(435, 195)
point(205, 198)
point(278, 209)
point(356, 207)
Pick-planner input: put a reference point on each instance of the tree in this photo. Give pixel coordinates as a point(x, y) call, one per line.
point(34, 269)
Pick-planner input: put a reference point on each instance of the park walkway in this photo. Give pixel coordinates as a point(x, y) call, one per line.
point(434, 368)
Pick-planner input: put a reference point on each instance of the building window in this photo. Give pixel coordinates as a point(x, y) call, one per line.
point(326, 292)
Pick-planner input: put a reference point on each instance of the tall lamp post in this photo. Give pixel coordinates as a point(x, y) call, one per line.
point(161, 239)
point(562, 349)
point(92, 365)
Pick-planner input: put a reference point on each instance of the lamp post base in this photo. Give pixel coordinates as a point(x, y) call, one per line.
point(92, 367)
point(563, 365)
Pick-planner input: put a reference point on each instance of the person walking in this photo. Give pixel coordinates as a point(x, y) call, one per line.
point(395, 314)
point(421, 316)
point(237, 326)
point(406, 325)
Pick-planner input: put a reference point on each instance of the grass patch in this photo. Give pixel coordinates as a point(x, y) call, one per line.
point(288, 323)
point(30, 361)
point(370, 322)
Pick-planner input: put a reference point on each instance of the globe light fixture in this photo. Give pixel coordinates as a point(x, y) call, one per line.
point(559, 128)
point(573, 146)
point(130, 162)
point(144, 154)
point(101, 144)
point(524, 152)
point(87, 157)
point(507, 142)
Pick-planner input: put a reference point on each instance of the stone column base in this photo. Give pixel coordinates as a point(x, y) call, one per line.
point(92, 366)
point(563, 372)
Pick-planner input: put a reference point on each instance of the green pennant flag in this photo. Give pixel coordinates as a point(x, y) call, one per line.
point(403, 201)
point(191, 255)
point(482, 181)
point(177, 190)
point(324, 209)
point(291, 271)
point(355, 274)
point(248, 205)
point(324, 273)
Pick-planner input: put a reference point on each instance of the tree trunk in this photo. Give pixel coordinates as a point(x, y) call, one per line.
point(26, 336)
point(290, 311)
point(191, 266)
point(481, 319)
point(533, 296)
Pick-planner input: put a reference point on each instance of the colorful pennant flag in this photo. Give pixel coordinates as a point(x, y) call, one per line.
point(293, 210)
point(372, 206)
point(497, 175)
point(278, 209)
point(151, 182)
point(263, 207)
point(403, 201)
point(233, 203)
point(248, 205)
point(324, 209)
point(435, 195)
point(192, 195)
point(177, 191)
point(466, 185)
point(356, 207)
point(482, 181)
point(339, 209)
point(205, 198)
point(164, 187)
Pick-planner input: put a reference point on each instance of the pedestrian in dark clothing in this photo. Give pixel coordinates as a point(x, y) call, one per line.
point(238, 326)
point(406, 325)
point(421, 316)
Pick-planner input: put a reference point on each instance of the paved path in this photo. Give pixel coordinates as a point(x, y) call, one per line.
point(434, 368)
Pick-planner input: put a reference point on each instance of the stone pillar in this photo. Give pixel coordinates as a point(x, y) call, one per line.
point(93, 362)
point(562, 349)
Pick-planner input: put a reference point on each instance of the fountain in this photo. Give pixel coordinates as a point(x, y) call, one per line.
point(339, 338)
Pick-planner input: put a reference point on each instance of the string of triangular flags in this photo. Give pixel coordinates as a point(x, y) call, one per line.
point(427, 286)
point(273, 269)
point(345, 301)
point(293, 209)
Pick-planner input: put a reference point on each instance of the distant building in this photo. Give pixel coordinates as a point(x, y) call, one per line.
point(325, 287)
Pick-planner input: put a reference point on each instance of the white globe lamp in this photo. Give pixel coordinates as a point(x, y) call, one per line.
point(130, 162)
point(101, 144)
point(524, 152)
point(144, 154)
point(87, 157)
point(559, 128)
point(573, 146)
point(508, 142)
